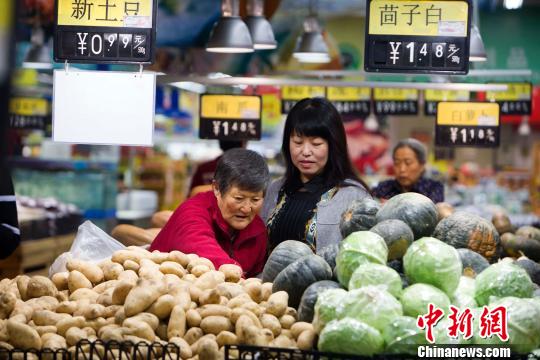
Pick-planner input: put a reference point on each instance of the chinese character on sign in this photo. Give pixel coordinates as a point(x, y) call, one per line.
point(395, 51)
point(494, 323)
point(389, 14)
point(460, 323)
point(433, 15)
point(452, 51)
point(411, 13)
point(107, 6)
point(215, 127)
point(429, 320)
point(221, 107)
point(81, 8)
point(131, 8)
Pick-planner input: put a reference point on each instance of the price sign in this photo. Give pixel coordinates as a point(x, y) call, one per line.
point(516, 100)
point(433, 97)
point(390, 101)
point(105, 31)
point(422, 36)
point(29, 113)
point(350, 100)
point(290, 95)
point(230, 117)
point(473, 124)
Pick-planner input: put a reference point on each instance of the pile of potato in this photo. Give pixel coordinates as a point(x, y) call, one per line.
point(143, 296)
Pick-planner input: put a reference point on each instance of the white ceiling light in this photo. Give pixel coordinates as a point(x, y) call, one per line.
point(477, 51)
point(310, 45)
point(230, 34)
point(259, 27)
point(524, 128)
point(512, 4)
point(371, 123)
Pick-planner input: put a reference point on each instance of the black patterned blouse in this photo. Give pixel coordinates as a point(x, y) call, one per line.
point(431, 188)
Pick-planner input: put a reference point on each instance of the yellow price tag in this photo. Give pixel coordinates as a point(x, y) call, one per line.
point(6, 14)
point(28, 106)
point(446, 95)
point(419, 18)
point(113, 13)
point(301, 92)
point(395, 94)
point(515, 92)
point(348, 93)
point(468, 114)
point(25, 77)
point(236, 107)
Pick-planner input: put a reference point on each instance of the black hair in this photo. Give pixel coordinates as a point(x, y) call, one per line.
point(416, 146)
point(318, 117)
point(242, 168)
point(230, 144)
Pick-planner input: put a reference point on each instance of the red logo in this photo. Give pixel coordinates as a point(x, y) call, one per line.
point(494, 323)
point(461, 323)
point(429, 320)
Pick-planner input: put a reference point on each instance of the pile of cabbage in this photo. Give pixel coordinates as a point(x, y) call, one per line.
point(377, 314)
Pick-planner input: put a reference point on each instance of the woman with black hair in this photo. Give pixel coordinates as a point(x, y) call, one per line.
point(319, 181)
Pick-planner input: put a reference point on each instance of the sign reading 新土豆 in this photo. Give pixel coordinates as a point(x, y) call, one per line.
point(105, 31)
point(230, 117)
point(514, 101)
point(390, 101)
point(424, 36)
point(350, 100)
point(433, 97)
point(473, 124)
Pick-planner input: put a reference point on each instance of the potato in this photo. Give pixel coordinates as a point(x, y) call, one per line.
point(112, 334)
point(227, 338)
point(179, 257)
point(189, 278)
point(163, 306)
point(121, 256)
point(40, 286)
point(292, 312)
point(77, 280)
point(233, 273)
point(181, 297)
point(241, 324)
point(67, 307)
point(22, 336)
point(120, 316)
point(60, 280)
point(237, 312)
point(22, 309)
point(22, 285)
point(251, 280)
point(287, 333)
point(47, 317)
point(121, 291)
point(7, 304)
point(112, 270)
point(84, 293)
point(106, 299)
point(198, 262)
point(131, 265)
point(64, 324)
point(195, 293)
point(210, 280)
point(4, 334)
point(208, 349)
point(5, 345)
point(171, 267)
point(195, 346)
point(90, 332)
point(129, 276)
point(286, 321)
point(111, 310)
point(74, 335)
point(101, 288)
point(62, 295)
point(216, 324)
point(91, 271)
point(300, 327)
point(229, 290)
point(193, 334)
point(193, 318)
point(209, 297)
point(253, 289)
point(253, 307)
point(53, 341)
point(306, 340)
point(161, 331)
point(150, 319)
point(143, 295)
point(93, 311)
point(216, 310)
point(159, 257)
point(177, 322)
point(283, 342)
point(277, 304)
point(200, 270)
point(272, 323)
point(253, 335)
point(45, 330)
point(43, 303)
point(140, 329)
point(238, 301)
point(185, 349)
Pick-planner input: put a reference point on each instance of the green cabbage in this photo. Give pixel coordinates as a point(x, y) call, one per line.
point(350, 336)
point(376, 274)
point(359, 248)
point(430, 261)
point(416, 298)
point(329, 306)
point(464, 295)
point(501, 280)
point(373, 305)
point(403, 336)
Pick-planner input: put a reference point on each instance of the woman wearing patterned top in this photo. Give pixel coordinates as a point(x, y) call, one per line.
point(409, 167)
point(319, 182)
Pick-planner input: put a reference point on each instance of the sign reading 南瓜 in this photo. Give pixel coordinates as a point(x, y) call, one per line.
point(230, 117)
point(350, 100)
point(389, 101)
point(423, 36)
point(514, 101)
point(433, 97)
point(105, 31)
point(290, 95)
point(474, 124)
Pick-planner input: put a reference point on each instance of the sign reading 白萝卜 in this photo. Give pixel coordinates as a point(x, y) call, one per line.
point(105, 31)
point(424, 36)
point(230, 117)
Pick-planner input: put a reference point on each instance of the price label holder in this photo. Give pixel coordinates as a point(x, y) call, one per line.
point(467, 124)
point(230, 117)
point(433, 97)
point(421, 36)
point(516, 100)
point(350, 100)
point(389, 101)
point(29, 113)
point(290, 95)
point(105, 31)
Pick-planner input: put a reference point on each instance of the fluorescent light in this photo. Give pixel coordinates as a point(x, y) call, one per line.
point(512, 4)
point(190, 86)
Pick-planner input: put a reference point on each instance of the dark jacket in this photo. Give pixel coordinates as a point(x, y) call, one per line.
point(431, 188)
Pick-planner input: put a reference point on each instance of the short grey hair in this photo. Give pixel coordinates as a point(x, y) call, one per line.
point(242, 168)
point(416, 146)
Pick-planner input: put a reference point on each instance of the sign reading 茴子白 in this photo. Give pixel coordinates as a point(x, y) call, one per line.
point(105, 31)
point(423, 36)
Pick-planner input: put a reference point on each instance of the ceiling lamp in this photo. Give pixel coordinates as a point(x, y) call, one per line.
point(259, 28)
point(38, 55)
point(477, 51)
point(524, 128)
point(230, 34)
point(310, 46)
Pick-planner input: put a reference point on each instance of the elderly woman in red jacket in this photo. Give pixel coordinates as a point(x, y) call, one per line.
point(223, 225)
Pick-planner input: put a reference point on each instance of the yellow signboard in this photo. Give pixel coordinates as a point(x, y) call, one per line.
point(236, 107)
point(419, 18)
point(6, 14)
point(112, 13)
point(446, 95)
point(28, 106)
point(301, 92)
point(515, 92)
point(468, 114)
point(346, 93)
point(382, 94)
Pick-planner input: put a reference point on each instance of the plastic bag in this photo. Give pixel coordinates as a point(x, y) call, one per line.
point(90, 244)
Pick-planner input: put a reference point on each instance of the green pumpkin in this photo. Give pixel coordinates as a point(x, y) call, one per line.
point(516, 245)
point(310, 296)
point(397, 235)
point(531, 267)
point(283, 255)
point(473, 263)
point(359, 216)
point(329, 254)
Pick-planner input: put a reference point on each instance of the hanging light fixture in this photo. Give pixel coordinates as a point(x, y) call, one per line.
point(477, 51)
point(524, 128)
point(310, 46)
point(38, 55)
point(230, 34)
point(259, 27)
point(371, 123)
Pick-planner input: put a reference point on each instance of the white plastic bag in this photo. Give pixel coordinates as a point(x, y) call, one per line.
point(91, 244)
